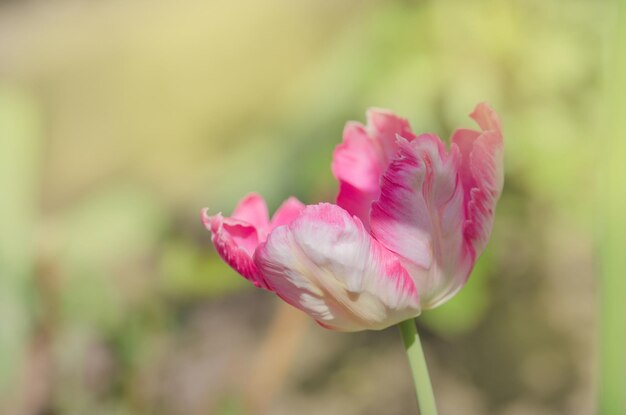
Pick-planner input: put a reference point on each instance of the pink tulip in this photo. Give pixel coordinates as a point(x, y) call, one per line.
point(411, 219)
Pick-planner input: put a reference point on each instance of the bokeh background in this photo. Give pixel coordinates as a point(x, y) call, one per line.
point(120, 120)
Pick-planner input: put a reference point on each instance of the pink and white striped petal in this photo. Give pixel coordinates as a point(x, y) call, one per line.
point(326, 264)
point(362, 157)
point(481, 173)
point(420, 216)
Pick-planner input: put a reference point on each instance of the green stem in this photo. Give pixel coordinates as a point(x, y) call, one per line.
point(417, 363)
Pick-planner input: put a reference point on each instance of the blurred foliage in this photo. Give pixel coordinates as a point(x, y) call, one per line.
point(119, 121)
point(611, 234)
point(19, 120)
point(464, 311)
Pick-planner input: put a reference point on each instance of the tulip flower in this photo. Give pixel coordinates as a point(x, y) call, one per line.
point(410, 221)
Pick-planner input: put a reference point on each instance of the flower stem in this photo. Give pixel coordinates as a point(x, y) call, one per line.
point(417, 363)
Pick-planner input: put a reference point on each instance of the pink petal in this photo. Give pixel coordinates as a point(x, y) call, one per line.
point(253, 210)
point(235, 241)
point(362, 157)
point(420, 217)
point(286, 213)
point(357, 165)
point(384, 126)
point(481, 173)
point(486, 118)
point(327, 265)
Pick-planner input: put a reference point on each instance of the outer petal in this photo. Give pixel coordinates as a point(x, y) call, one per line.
point(362, 157)
point(327, 265)
point(420, 217)
point(481, 173)
point(235, 241)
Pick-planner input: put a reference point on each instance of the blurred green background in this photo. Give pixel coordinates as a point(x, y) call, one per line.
point(120, 120)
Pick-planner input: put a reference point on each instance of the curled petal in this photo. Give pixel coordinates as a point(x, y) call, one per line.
point(486, 118)
point(481, 173)
point(326, 264)
point(235, 241)
point(362, 157)
point(420, 217)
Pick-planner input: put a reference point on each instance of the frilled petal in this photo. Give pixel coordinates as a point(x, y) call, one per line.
point(420, 216)
point(326, 264)
point(362, 157)
point(237, 238)
point(481, 173)
point(235, 241)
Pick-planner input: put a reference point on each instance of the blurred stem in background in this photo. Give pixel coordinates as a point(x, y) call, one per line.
point(612, 231)
point(275, 357)
point(419, 370)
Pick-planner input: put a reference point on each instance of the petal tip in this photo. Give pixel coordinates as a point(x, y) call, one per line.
point(373, 112)
point(486, 117)
point(253, 210)
point(288, 211)
point(211, 222)
point(384, 120)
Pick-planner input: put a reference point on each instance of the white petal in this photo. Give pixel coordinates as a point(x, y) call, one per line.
point(326, 264)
